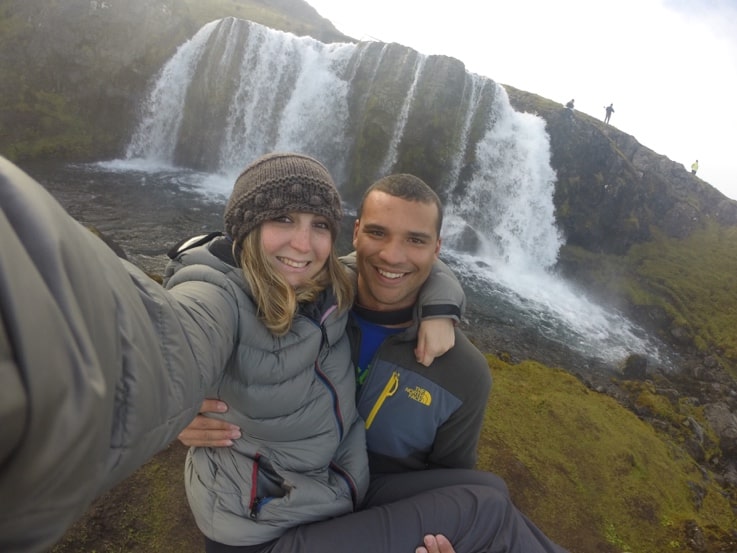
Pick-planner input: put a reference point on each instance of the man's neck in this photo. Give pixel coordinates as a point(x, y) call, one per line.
point(395, 318)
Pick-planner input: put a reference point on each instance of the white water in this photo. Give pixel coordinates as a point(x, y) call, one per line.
point(290, 96)
point(391, 157)
point(156, 135)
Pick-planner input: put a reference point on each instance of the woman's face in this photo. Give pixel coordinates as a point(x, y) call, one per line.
point(297, 245)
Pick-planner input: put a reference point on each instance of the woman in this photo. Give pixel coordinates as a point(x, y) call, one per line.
point(289, 382)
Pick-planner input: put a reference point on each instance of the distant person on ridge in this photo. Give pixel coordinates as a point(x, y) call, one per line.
point(609, 110)
point(694, 167)
point(569, 105)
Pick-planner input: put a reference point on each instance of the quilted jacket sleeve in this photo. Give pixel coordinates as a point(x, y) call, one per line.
point(441, 296)
point(100, 367)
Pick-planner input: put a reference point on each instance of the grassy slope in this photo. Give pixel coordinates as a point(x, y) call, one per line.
point(588, 471)
point(692, 281)
point(585, 469)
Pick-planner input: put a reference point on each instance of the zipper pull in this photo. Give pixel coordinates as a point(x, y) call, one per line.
point(255, 507)
point(389, 390)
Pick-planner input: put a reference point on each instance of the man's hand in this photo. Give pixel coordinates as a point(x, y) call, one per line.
point(435, 544)
point(208, 432)
point(435, 337)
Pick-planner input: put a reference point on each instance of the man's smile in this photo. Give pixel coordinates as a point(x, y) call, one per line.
point(389, 274)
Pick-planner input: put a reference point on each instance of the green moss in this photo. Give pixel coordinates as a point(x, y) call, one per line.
point(690, 281)
point(586, 469)
point(693, 280)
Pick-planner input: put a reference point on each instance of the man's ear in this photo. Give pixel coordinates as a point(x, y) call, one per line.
point(437, 247)
point(356, 224)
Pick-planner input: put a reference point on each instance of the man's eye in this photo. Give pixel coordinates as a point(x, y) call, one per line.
point(321, 225)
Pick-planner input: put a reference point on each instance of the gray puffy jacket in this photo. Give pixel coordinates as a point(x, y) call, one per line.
point(302, 454)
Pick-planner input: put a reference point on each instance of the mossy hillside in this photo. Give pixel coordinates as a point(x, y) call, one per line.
point(685, 289)
point(116, 49)
point(588, 471)
point(294, 16)
point(584, 469)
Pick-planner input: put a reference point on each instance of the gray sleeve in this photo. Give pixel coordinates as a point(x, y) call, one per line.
point(442, 294)
point(100, 367)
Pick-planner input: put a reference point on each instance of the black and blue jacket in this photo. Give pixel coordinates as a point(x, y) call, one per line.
point(421, 417)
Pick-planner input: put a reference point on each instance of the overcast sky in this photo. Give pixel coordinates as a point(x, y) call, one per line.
point(668, 66)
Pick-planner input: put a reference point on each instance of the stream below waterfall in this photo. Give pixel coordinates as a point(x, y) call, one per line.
point(530, 312)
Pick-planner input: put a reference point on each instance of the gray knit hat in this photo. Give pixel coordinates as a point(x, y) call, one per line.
point(280, 183)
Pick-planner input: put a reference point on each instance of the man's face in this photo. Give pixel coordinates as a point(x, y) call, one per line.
point(396, 243)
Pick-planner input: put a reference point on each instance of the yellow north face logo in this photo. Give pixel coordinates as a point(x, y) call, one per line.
point(419, 394)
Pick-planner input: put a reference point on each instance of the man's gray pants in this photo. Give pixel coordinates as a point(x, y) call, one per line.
point(471, 508)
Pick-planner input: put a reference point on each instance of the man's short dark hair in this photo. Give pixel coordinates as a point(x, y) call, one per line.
point(407, 187)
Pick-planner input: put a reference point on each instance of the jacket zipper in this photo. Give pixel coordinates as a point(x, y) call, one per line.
point(329, 386)
point(255, 502)
point(389, 390)
point(345, 475)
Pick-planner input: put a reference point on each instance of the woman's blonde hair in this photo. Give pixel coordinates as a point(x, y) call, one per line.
point(276, 299)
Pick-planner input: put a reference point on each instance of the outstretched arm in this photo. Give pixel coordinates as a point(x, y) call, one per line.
point(88, 390)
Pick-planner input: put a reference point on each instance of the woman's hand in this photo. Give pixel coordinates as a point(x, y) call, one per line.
point(435, 337)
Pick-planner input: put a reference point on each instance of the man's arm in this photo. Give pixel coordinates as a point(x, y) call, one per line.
point(469, 378)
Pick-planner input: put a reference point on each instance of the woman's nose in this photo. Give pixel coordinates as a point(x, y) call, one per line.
point(301, 238)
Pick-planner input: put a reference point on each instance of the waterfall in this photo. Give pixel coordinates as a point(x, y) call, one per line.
point(237, 90)
point(156, 134)
point(473, 87)
point(391, 158)
point(508, 202)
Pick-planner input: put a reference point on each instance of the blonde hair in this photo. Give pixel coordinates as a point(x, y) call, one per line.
point(276, 299)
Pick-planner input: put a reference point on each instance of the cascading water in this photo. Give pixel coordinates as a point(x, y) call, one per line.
point(391, 158)
point(155, 137)
point(237, 90)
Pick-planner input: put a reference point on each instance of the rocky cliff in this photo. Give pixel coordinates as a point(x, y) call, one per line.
point(613, 192)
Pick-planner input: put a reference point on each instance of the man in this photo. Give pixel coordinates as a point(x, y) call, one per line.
point(609, 110)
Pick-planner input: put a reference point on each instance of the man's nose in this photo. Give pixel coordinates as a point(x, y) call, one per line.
point(393, 252)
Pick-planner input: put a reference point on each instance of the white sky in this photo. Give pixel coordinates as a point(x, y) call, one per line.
point(668, 66)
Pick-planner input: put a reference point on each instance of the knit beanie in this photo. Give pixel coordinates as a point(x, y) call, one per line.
point(281, 183)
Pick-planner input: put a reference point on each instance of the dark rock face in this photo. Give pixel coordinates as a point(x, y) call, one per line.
point(635, 367)
point(611, 190)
